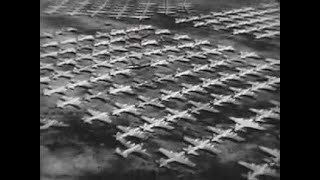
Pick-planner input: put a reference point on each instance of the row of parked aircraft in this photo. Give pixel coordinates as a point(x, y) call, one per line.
point(195, 145)
point(167, 95)
point(234, 14)
point(123, 9)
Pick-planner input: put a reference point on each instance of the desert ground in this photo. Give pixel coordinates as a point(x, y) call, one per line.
point(126, 84)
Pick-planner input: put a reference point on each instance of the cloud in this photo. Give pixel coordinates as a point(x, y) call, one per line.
point(72, 163)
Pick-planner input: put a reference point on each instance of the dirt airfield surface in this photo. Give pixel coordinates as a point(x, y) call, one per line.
point(87, 151)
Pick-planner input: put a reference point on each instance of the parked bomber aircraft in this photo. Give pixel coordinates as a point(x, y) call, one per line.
point(174, 157)
point(275, 153)
point(198, 144)
point(242, 123)
point(97, 115)
point(69, 101)
point(258, 170)
point(221, 134)
point(129, 132)
point(131, 148)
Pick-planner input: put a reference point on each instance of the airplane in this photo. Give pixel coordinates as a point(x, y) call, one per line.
point(163, 63)
point(165, 78)
point(134, 45)
point(197, 107)
point(113, 48)
point(139, 17)
point(47, 67)
point(211, 21)
point(273, 62)
point(67, 50)
point(273, 80)
point(174, 157)
point(221, 100)
point(123, 72)
point(206, 83)
point(69, 41)
point(145, 101)
point(166, 95)
point(131, 148)
point(258, 170)
point(146, 27)
point(102, 43)
point(190, 88)
point(75, 84)
point(121, 59)
point(115, 32)
point(170, 48)
point(178, 37)
point(149, 42)
point(200, 55)
point(132, 29)
point(162, 31)
point(102, 35)
point(150, 52)
point(142, 84)
point(45, 80)
point(186, 45)
point(212, 51)
point(215, 64)
point(117, 39)
point(85, 38)
point(92, 96)
point(199, 24)
point(245, 55)
point(244, 72)
point(240, 93)
point(200, 42)
point(71, 29)
point(275, 153)
point(98, 78)
point(181, 59)
point(228, 77)
point(240, 31)
point(224, 134)
point(225, 48)
point(242, 123)
point(199, 144)
point(125, 108)
point(69, 101)
point(129, 131)
point(181, 20)
point(97, 115)
point(156, 123)
point(187, 73)
point(48, 123)
point(206, 68)
point(49, 55)
point(58, 90)
point(135, 55)
point(102, 64)
point(69, 62)
point(181, 114)
point(46, 35)
point(261, 86)
point(63, 74)
point(269, 113)
point(50, 44)
point(268, 35)
point(150, 127)
point(117, 89)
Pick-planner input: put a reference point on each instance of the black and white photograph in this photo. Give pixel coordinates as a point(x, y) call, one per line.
point(159, 89)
